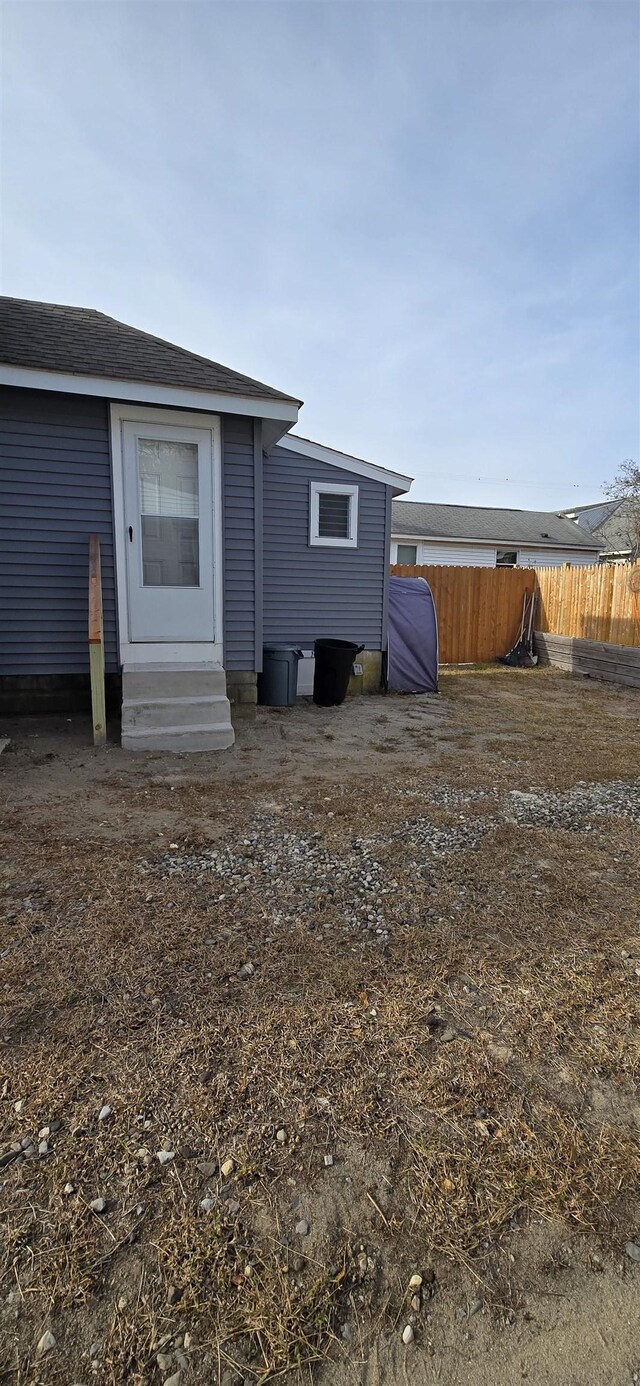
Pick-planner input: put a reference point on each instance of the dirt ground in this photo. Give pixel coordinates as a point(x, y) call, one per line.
point(286, 1026)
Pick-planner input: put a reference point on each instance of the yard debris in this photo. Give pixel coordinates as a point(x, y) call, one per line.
point(45, 1344)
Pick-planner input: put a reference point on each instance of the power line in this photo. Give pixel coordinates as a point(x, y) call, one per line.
point(514, 481)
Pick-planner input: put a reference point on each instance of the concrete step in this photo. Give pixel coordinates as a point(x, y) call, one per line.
point(175, 707)
point(173, 680)
point(193, 738)
point(147, 713)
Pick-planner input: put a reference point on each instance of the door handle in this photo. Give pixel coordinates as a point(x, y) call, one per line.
point(130, 534)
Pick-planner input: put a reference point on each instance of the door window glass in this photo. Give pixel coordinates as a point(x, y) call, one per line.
point(168, 477)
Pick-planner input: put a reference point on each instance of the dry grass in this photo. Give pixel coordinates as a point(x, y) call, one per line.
point(124, 989)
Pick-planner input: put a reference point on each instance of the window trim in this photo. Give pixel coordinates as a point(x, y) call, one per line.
point(402, 545)
point(321, 488)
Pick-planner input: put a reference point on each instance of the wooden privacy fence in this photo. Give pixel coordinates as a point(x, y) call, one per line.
point(479, 609)
point(599, 602)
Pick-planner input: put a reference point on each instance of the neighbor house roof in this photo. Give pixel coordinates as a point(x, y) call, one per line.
point(81, 341)
point(613, 523)
point(487, 524)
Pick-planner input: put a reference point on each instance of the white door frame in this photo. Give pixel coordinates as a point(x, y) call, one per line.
point(165, 652)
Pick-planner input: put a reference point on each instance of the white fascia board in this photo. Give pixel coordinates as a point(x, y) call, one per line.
point(305, 448)
point(142, 392)
point(492, 543)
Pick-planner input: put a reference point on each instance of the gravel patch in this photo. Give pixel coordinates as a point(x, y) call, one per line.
point(574, 809)
point(295, 875)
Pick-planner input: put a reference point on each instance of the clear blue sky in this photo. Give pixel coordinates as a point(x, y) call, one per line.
point(420, 218)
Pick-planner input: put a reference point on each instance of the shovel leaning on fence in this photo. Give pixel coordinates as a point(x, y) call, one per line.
point(521, 654)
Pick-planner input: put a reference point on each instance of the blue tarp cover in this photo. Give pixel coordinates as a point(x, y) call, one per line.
point(412, 664)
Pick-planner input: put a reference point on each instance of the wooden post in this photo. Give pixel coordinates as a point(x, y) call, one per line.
point(96, 644)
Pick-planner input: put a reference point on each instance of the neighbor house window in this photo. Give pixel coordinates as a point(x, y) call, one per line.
point(507, 558)
point(333, 515)
point(407, 553)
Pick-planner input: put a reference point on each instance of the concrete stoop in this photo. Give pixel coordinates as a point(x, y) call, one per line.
point(175, 707)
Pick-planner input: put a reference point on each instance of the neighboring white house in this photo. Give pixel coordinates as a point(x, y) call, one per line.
point(614, 524)
point(484, 536)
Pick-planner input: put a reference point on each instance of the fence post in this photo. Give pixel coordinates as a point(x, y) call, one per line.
point(96, 644)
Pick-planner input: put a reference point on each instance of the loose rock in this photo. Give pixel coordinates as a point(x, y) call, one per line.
point(415, 1282)
point(226, 1169)
point(302, 1228)
point(207, 1204)
point(246, 971)
point(98, 1205)
point(165, 1156)
point(46, 1343)
point(633, 1251)
point(69, 1189)
point(104, 1113)
point(407, 1334)
point(281, 1136)
point(328, 1159)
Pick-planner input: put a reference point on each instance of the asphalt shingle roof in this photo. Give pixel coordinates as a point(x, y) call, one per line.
point(613, 523)
point(422, 519)
point(82, 341)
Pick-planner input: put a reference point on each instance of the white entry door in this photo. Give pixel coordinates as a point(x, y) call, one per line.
point(169, 522)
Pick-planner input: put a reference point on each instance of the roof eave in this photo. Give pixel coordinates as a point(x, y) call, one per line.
point(284, 410)
point(318, 452)
point(514, 543)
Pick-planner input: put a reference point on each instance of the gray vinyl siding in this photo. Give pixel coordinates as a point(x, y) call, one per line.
point(55, 490)
point(238, 489)
point(312, 591)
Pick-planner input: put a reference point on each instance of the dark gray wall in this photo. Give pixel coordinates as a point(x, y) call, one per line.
point(238, 497)
point(314, 591)
point(55, 490)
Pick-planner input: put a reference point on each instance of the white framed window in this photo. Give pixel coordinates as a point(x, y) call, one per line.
point(407, 553)
point(333, 515)
point(507, 558)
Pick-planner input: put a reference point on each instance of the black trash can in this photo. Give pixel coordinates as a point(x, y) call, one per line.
point(278, 682)
point(333, 669)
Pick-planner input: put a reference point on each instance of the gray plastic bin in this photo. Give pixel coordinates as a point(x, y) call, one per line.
point(278, 682)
